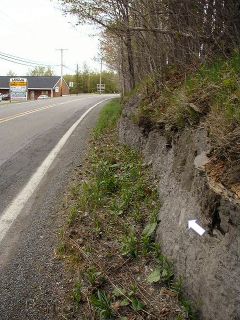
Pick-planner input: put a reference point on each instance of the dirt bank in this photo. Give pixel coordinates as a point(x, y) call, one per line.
point(209, 264)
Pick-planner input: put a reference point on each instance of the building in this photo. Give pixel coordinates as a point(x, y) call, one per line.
point(37, 85)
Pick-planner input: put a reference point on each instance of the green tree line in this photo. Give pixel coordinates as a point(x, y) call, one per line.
point(86, 81)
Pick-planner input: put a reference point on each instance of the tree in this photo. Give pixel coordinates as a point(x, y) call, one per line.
point(41, 71)
point(148, 37)
point(11, 73)
point(86, 80)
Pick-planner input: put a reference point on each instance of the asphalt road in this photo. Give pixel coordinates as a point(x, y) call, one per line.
point(31, 278)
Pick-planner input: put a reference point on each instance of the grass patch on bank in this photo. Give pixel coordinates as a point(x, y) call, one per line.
point(119, 271)
point(108, 117)
point(210, 97)
point(214, 89)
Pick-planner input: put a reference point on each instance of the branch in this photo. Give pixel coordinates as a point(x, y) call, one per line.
point(167, 32)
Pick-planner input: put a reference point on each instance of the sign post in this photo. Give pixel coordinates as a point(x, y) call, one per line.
point(18, 89)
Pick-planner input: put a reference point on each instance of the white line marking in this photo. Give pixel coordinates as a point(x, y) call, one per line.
point(26, 113)
point(14, 209)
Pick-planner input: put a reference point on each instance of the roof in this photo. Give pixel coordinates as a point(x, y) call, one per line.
point(34, 82)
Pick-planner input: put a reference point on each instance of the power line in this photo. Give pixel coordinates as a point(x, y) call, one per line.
point(69, 68)
point(9, 56)
point(19, 60)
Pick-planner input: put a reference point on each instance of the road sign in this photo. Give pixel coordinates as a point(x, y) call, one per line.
point(101, 87)
point(70, 84)
point(18, 88)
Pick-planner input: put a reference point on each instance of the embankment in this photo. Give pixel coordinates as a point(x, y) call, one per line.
point(209, 263)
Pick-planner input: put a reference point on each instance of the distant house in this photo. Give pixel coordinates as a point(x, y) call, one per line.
point(37, 85)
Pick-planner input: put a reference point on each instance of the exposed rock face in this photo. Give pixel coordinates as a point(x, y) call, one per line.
point(210, 264)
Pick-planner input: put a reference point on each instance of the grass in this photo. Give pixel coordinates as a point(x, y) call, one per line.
point(77, 292)
point(209, 97)
point(108, 117)
point(110, 232)
point(214, 89)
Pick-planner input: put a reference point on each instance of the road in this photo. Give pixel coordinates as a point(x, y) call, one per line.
point(38, 154)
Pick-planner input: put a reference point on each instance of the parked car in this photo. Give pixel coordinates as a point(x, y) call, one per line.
point(6, 96)
point(43, 96)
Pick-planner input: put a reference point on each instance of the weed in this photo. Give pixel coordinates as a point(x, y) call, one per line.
point(130, 245)
point(61, 249)
point(147, 245)
point(131, 298)
point(91, 196)
point(103, 305)
point(119, 292)
point(75, 191)
point(72, 216)
point(137, 305)
point(187, 305)
point(163, 272)
point(180, 317)
point(93, 276)
point(138, 215)
point(189, 309)
point(97, 227)
point(150, 229)
point(177, 286)
point(77, 292)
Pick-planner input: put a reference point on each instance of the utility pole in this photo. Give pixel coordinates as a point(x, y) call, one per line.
point(100, 81)
point(77, 80)
point(62, 65)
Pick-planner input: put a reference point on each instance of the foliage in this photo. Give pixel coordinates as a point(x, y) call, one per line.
point(11, 73)
point(77, 292)
point(86, 81)
point(41, 71)
point(129, 245)
point(102, 304)
point(72, 215)
point(213, 90)
point(108, 117)
point(145, 37)
point(93, 275)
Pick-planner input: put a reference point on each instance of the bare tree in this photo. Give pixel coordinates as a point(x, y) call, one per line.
point(149, 36)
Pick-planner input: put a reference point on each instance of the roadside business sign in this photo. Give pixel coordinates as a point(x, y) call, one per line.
point(18, 89)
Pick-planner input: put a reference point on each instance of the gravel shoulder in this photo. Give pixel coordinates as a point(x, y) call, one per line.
point(32, 279)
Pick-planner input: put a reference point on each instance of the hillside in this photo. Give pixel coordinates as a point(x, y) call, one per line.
point(189, 132)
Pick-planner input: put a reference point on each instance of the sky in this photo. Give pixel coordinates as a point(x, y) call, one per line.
point(35, 31)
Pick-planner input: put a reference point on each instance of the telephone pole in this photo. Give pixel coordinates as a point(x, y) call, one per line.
point(62, 65)
point(100, 80)
point(77, 80)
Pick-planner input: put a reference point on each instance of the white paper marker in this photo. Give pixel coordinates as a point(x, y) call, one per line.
point(192, 224)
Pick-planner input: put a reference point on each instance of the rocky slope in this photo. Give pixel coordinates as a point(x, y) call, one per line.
point(209, 263)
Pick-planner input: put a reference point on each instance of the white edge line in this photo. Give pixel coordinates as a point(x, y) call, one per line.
point(16, 206)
